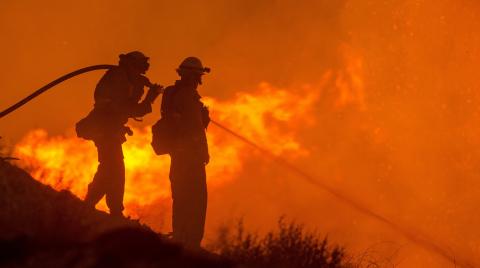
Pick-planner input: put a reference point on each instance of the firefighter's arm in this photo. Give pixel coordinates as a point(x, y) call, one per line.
point(205, 120)
point(140, 109)
point(153, 92)
point(205, 153)
point(145, 107)
point(205, 116)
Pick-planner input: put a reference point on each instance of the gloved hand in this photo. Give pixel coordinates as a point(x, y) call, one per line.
point(128, 131)
point(205, 155)
point(153, 92)
point(206, 159)
point(205, 116)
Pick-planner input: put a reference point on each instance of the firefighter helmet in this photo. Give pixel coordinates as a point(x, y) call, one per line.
point(136, 59)
point(135, 56)
point(193, 64)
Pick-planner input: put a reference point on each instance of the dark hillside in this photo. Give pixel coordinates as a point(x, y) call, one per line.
point(40, 227)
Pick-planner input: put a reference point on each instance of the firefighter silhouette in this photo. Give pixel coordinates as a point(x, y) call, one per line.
point(117, 98)
point(187, 119)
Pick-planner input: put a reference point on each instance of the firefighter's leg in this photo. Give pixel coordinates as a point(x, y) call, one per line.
point(97, 188)
point(197, 203)
point(179, 215)
point(200, 204)
point(189, 200)
point(116, 184)
point(180, 195)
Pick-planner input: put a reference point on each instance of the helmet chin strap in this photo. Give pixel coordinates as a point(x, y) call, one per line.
point(52, 84)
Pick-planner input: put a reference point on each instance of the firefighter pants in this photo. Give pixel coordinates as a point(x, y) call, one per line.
point(109, 179)
point(189, 194)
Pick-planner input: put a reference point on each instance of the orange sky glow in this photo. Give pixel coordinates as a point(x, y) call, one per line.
point(380, 100)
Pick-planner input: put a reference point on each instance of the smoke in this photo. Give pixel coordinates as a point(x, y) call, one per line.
point(395, 124)
point(245, 42)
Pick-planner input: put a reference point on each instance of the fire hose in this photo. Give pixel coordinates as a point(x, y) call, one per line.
point(414, 236)
point(52, 84)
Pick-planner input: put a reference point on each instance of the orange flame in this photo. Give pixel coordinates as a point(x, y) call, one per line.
point(271, 116)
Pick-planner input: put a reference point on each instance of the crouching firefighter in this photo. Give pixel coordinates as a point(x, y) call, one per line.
point(181, 133)
point(117, 98)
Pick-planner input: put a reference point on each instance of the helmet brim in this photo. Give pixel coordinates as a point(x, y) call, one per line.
point(202, 71)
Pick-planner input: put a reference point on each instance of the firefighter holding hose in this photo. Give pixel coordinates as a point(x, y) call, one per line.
point(117, 98)
point(184, 121)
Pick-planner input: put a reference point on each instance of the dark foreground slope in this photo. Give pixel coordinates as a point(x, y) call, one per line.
point(40, 227)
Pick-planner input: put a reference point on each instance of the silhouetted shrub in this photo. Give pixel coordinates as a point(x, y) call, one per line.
point(289, 246)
